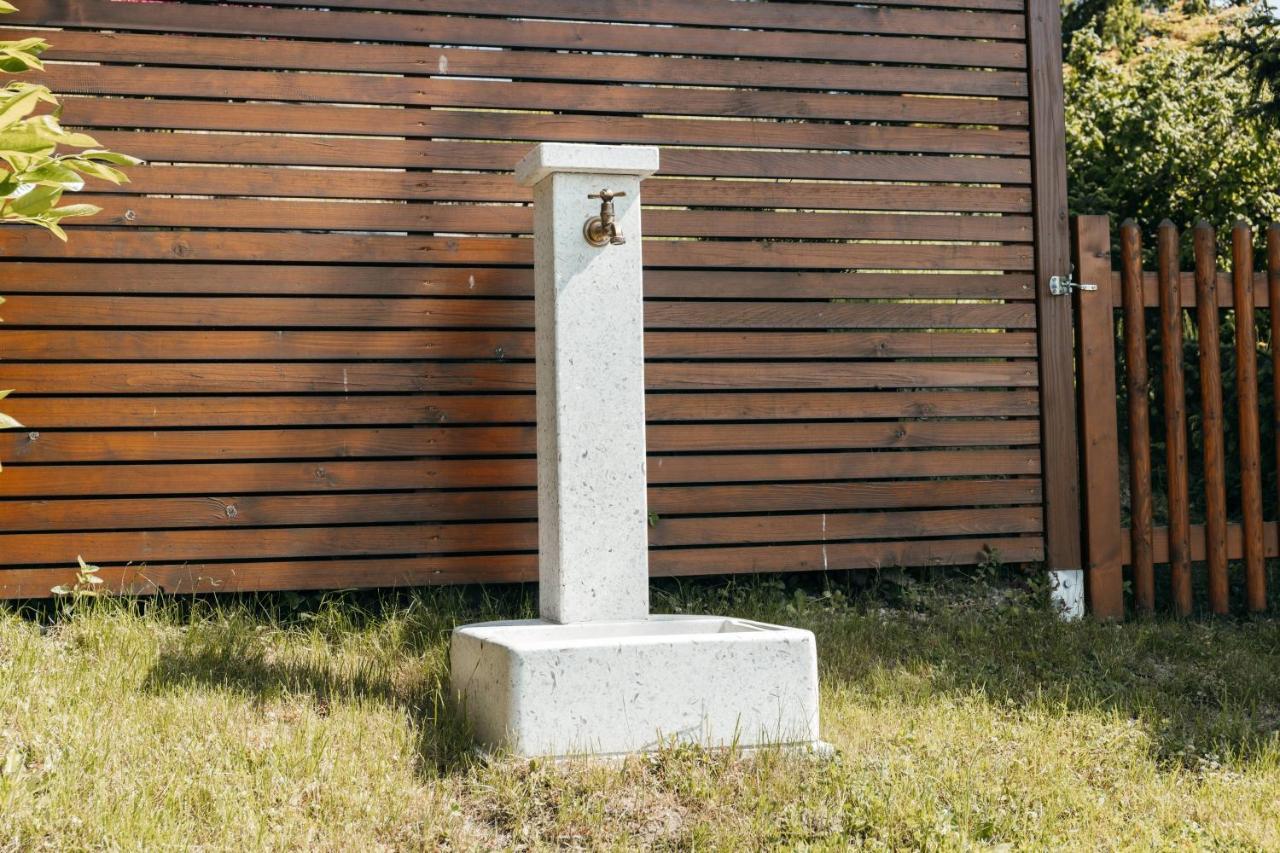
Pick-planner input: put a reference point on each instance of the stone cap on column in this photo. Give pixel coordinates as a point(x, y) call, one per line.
point(547, 157)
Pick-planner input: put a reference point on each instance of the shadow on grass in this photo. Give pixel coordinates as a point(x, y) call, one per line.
point(399, 660)
point(1198, 687)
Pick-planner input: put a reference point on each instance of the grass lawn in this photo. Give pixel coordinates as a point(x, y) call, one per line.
point(965, 715)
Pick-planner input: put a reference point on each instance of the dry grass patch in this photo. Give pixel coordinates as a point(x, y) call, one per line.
point(322, 724)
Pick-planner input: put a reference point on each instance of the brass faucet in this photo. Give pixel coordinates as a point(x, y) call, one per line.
point(603, 229)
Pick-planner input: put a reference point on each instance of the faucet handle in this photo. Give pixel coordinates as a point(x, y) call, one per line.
point(606, 195)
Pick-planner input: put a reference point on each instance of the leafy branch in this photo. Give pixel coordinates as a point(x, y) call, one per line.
point(34, 174)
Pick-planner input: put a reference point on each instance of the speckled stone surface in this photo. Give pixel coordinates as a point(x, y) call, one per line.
point(608, 688)
point(639, 161)
point(597, 674)
point(589, 308)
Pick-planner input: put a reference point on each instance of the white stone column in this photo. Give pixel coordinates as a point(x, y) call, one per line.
point(592, 512)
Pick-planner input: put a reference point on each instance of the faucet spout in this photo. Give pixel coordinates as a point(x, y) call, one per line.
point(603, 229)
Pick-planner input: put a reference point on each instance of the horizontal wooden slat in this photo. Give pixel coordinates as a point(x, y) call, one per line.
point(265, 149)
point(355, 508)
point(400, 571)
point(268, 279)
point(275, 312)
point(582, 97)
point(92, 113)
point(441, 186)
point(323, 344)
point(1235, 542)
point(336, 248)
point(723, 13)
point(264, 410)
point(504, 219)
point(186, 50)
point(1186, 280)
point(368, 475)
point(416, 377)
point(446, 30)
point(233, 543)
point(190, 445)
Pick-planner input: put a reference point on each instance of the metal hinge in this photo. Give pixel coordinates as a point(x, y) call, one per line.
point(1059, 286)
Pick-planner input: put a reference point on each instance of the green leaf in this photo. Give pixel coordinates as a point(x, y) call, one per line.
point(20, 104)
point(97, 170)
point(7, 7)
point(9, 422)
point(54, 173)
point(27, 137)
point(110, 157)
point(35, 201)
point(74, 210)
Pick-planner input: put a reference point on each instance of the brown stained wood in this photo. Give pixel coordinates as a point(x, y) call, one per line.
point(1212, 424)
point(382, 475)
point(1098, 430)
point(227, 509)
point(658, 190)
point(414, 122)
point(187, 50)
point(355, 541)
point(40, 413)
point(388, 249)
point(1186, 283)
point(1175, 418)
point(264, 150)
point(438, 29)
point(365, 398)
point(1235, 542)
point(56, 447)
point(491, 94)
point(1052, 257)
point(1137, 388)
point(286, 312)
point(347, 345)
point(123, 278)
point(1273, 289)
point(722, 13)
point(501, 219)
point(187, 578)
point(418, 377)
point(1250, 433)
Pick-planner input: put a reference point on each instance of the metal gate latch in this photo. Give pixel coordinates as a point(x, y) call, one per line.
point(1060, 286)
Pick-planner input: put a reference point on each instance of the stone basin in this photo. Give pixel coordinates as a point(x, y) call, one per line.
point(540, 688)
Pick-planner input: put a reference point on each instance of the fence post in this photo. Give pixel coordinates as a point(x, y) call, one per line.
point(1059, 449)
point(1212, 424)
point(1099, 437)
point(1250, 432)
point(1169, 278)
point(1137, 378)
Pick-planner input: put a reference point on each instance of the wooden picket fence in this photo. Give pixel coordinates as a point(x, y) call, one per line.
point(1207, 291)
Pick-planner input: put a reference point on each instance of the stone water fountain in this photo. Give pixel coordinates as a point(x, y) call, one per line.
point(597, 673)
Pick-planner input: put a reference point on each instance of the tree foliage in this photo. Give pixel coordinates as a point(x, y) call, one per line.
point(1254, 52)
point(35, 171)
point(1161, 135)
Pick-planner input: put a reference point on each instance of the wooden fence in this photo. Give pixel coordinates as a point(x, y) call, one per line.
point(296, 350)
point(1178, 543)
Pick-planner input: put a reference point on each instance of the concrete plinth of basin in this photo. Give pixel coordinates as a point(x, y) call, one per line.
point(538, 688)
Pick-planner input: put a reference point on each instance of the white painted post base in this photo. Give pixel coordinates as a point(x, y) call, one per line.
point(597, 674)
point(1066, 589)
